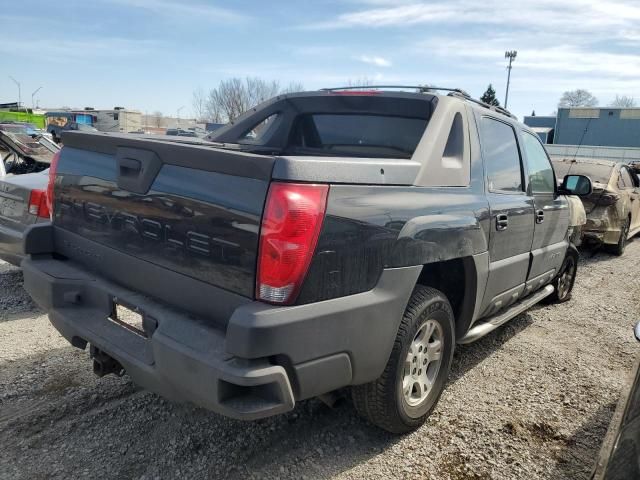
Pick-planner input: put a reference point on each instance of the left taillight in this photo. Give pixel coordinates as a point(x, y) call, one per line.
point(53, 168)
point(38, 204)
point(291, 224)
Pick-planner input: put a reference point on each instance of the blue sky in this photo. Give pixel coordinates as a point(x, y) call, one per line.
point(152, 54)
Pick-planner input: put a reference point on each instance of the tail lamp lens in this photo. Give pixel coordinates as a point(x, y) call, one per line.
point(52, 178)
point(289, 233)
point(38, 204)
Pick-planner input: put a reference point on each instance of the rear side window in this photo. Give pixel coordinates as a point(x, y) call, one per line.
point(356, 134)
point(539, 168)
point(501, 156)
point(626, 178)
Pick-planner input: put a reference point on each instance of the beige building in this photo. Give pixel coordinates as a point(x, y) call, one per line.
point(117, 120)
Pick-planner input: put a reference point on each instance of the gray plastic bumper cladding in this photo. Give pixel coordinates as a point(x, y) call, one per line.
point(268, 358)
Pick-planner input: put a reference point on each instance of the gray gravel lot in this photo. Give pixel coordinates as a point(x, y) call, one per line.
point(532, 400)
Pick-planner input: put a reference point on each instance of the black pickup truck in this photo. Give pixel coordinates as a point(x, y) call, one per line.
point(322, 240)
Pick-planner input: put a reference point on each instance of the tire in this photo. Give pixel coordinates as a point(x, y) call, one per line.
point(564, 281)
point(397, 401)
point(619, 248)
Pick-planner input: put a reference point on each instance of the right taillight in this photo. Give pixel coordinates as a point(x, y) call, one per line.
point(291, 224)
point(38, 204)
point(52, 178)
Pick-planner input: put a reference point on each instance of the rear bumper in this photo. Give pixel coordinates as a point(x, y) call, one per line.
point(267, 358)
point(603, 226)
point(182, 359)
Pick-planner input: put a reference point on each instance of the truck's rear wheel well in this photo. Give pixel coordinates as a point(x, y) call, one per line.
point(457, 280)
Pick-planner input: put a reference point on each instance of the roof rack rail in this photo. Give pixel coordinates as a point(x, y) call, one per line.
point(453, 92)
point(495, 108)
point(420, 88)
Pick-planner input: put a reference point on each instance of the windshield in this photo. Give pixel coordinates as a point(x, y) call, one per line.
point(597, 172)
point(359, 134)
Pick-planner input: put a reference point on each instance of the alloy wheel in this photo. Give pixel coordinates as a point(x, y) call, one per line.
point(422, 363)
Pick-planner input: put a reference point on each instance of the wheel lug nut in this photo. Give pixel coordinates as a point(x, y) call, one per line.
point(424, 362)
point(420, 372)
point(420, 348)
point(414, 371)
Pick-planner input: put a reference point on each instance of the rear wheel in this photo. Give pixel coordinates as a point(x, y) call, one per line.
point(619, 248)
point(402, 398)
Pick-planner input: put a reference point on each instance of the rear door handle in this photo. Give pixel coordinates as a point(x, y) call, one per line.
point(502, 221)
point(539, 216)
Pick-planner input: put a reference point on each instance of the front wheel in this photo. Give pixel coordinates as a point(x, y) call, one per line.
point(563, 283)
point(402, 398)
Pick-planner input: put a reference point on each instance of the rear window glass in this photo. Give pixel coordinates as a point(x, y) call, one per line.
point(357, 134)
point(597, 173)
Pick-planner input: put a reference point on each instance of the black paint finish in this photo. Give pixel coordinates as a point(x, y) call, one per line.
point(201, 224)
point(367, 229)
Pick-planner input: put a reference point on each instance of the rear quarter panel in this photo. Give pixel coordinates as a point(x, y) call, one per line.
point(369, 228)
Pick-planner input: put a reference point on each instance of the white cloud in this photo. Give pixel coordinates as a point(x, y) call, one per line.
point(193, 11)
point(573, 15)
point(375, 60)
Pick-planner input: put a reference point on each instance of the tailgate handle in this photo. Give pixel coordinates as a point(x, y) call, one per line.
point(129, 166)
point(137, 169)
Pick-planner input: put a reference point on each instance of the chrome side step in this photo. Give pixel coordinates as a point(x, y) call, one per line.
point(481, 329)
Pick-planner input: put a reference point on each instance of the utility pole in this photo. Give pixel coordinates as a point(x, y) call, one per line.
point(178, 118)
point(511, 55)
point(19, 90)
point(33, 105)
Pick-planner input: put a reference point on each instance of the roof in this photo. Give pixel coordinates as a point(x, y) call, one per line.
point(596, 107)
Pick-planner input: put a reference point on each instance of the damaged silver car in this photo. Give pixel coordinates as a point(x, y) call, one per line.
point(613, 209)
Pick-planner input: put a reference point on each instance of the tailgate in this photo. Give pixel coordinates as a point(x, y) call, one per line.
point(191, 209)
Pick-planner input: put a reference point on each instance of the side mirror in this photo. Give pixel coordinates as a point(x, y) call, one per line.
point(636, 331)
point(579, 185)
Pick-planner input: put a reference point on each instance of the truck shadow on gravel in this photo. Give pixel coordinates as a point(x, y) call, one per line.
point(467, 357)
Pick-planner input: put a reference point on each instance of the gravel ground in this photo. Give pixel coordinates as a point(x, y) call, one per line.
point(531, 400)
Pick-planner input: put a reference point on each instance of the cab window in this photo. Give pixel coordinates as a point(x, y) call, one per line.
point(501, 156)
point(539, 170)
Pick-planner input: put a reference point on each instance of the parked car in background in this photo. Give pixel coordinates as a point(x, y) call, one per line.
point(180, 132)
point(330, 239)
point(22, 203)
point(56, 131)
point(613, 208)
point(619, 457)
point(21, 151)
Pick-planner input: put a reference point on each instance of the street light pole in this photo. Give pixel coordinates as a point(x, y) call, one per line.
point(33, 105)
point(19, 91)
point(511, 55)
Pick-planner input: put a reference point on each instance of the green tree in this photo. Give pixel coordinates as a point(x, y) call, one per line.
point(489, 97)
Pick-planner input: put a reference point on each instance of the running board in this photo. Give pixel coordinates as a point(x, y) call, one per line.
point(491, 324)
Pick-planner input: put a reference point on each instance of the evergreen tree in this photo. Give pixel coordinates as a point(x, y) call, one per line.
point(489, 97)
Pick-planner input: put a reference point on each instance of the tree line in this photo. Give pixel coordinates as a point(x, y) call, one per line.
point(234, 96)
point(571, 98)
